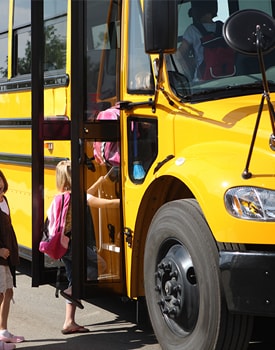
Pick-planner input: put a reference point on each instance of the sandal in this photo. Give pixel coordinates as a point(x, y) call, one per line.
point(71, 299)
point(76, 329)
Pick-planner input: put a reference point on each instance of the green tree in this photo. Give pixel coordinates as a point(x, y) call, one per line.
point(55, 53)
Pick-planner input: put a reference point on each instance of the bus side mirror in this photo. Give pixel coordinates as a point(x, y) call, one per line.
point(160, 19)
point(256, 37)
point(243, 38)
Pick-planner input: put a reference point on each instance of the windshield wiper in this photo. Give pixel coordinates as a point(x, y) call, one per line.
point(222, 91)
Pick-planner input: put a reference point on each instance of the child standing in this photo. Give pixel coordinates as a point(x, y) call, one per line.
point(63, 184)
point(9, 259)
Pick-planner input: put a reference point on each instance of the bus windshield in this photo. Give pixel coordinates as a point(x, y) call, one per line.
point(204, 66)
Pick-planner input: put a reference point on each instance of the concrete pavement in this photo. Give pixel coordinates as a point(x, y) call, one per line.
point(38, 315)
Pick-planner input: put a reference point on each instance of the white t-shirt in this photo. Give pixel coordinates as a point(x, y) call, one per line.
point(4, 207)
point(193, 36)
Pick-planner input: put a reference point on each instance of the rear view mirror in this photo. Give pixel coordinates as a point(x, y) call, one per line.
point(256, 37)
point(239, 31)
point(160, 26)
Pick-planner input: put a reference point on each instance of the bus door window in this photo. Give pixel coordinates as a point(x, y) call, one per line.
point(102, 55)
point(103, 233)
point(103, 227)
point(140, 78)
point(142, 147)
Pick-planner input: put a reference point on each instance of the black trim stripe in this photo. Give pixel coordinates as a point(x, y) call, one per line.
point(16, 84)
point(54, 127)
point(26, 160)
point(15, 123)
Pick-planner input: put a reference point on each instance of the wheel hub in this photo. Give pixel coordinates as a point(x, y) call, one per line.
point(177, 289)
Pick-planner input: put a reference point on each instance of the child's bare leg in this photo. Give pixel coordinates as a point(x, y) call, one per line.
point(5, 308)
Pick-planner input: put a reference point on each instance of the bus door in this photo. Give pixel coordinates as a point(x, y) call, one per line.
point(50, 125)
point(97, 235)
point(93, 68)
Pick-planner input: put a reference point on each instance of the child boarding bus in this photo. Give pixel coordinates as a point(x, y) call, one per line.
point(184, 140)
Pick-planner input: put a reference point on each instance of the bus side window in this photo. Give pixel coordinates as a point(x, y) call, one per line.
point(55, 21)
point(4, 8)
point(142, 147)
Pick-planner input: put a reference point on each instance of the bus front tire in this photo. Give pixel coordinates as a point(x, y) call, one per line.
point(183, 285)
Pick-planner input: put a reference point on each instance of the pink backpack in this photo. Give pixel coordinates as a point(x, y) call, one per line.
point(54, 243)
point(107, 152)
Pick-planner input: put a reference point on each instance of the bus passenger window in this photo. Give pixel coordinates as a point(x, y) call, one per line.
point(55, 20)
point(55, 45)
point(3, 56)
point(55, 35)
point(142, 147)
point(4, 9)
point(22, 43)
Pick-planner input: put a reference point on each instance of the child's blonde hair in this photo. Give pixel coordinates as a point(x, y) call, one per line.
point(63, 176)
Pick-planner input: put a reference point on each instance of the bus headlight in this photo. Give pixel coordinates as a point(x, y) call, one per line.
point(251, 203)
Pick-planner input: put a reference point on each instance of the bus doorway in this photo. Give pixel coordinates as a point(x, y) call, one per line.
point(97, 250)
point(97, 238)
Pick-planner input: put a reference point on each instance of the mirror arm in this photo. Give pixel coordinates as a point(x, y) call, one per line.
point(265, 96)
point(246, 173)
point(159, 81)
point(265, 85)
point(252, 41)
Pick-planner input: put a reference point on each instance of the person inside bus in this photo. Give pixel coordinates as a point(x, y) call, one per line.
point(9, 259)
point(63, 182)
point(190, 51)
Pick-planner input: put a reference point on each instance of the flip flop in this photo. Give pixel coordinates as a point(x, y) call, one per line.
point(74, 330)
point(71, 299)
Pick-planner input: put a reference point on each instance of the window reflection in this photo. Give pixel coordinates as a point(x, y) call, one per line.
point(4, 10)
point(140, 77)
point(55, 36)
point(53, 8)
point(103, 47)
point(3, 56)
point(55, 46)
point(22, 12)
point(23, 50)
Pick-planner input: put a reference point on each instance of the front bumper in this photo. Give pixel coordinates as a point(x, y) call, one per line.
point(249, 281)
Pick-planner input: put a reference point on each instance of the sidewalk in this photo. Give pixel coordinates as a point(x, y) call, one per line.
point(38, 315)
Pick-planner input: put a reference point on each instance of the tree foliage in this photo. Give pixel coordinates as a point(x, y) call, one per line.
point(54, 55)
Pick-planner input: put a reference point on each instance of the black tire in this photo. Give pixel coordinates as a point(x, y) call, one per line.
point(183, 285)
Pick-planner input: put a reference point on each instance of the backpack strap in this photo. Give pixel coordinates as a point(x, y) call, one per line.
point(201, 28)
point(203, 31)
point(211, 39)
point(219, 26)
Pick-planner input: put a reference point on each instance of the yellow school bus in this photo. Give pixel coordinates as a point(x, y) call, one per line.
point(184, 140)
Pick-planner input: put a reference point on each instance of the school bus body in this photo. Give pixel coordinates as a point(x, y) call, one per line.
point(195, 233)
point(16, 111)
